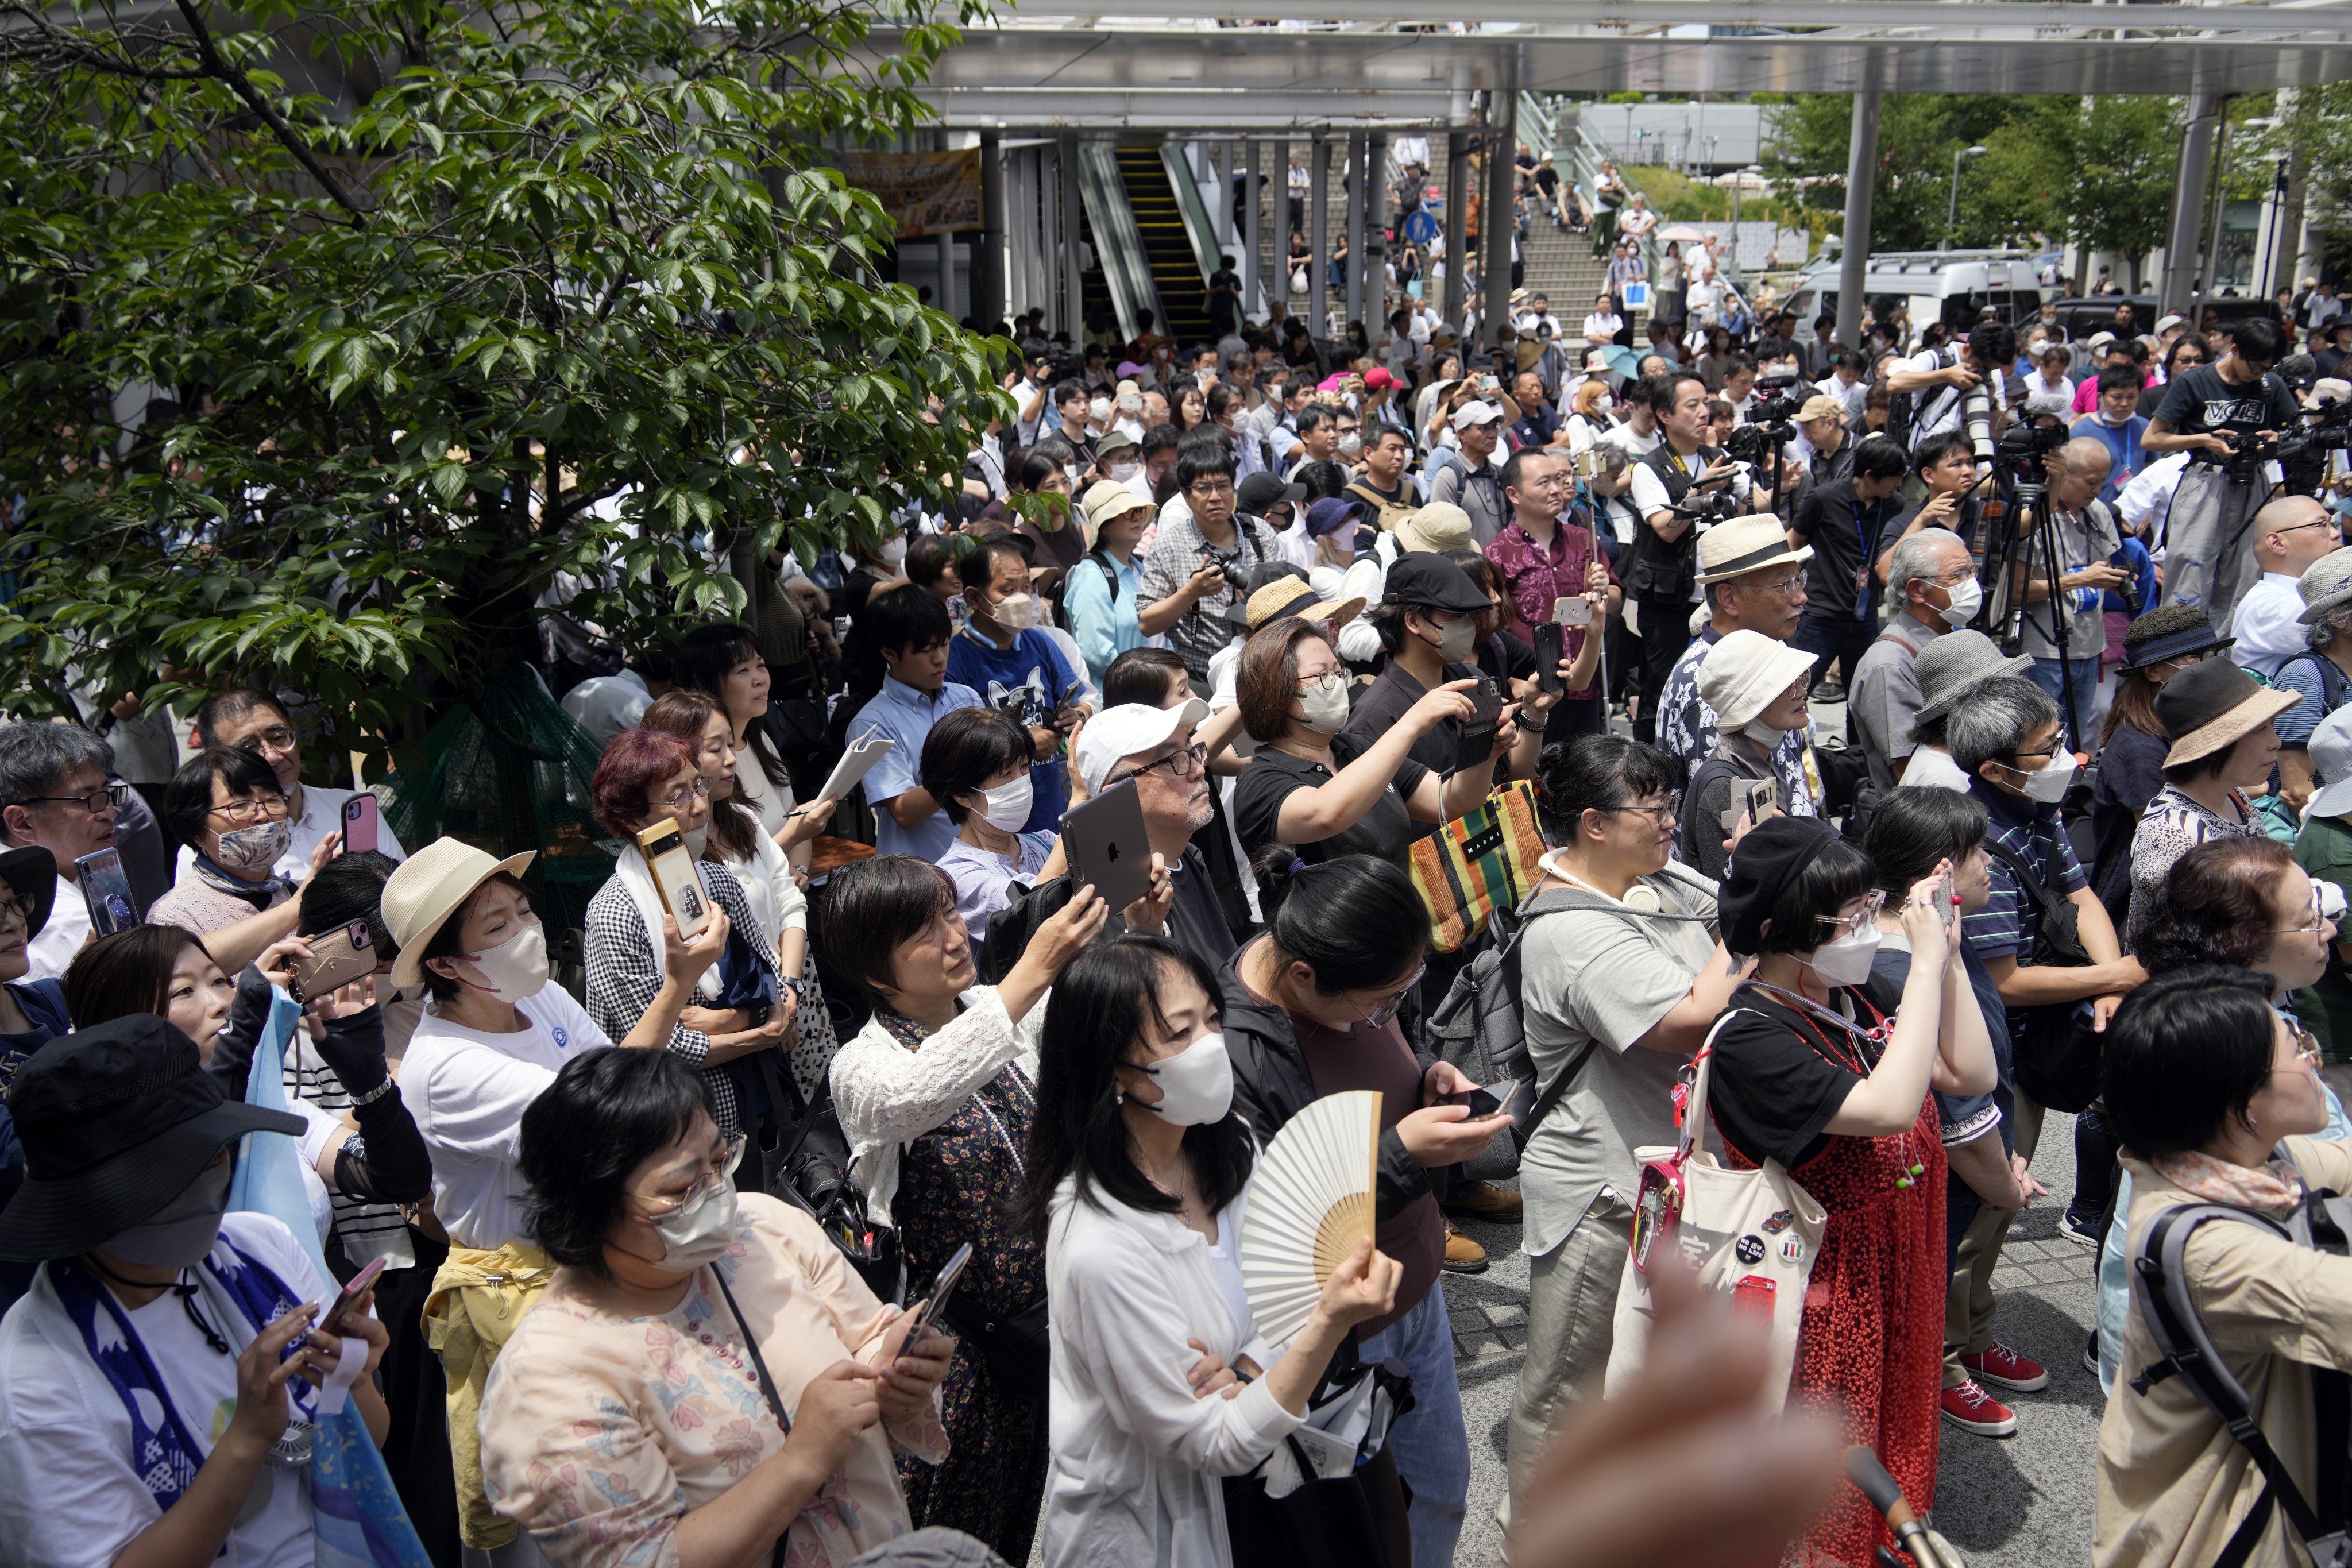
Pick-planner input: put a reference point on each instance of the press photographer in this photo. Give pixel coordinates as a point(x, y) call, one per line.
point(2222, 414)
point(1662, 575)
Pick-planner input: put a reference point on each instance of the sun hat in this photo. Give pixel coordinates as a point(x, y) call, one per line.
point(1333, 513)
point(2331, 760)
point(31, 873)
point(1820, 406)
point(2209, 707)
point(1112, 443)
point(2169, 632)
point(1743, 673)
point(2325, 584)
point(116, 1119)
point(1739, 545)
point(1956, 663)
point(1124, 730)
point(1107, 500)
point(1286, 597)
point(1434, 529)
point(428, 888)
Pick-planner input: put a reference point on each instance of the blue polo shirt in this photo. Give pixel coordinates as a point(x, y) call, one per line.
point(1030, 680)
point(899, 712)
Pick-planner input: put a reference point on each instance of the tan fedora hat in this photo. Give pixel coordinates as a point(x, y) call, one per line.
point(1292, 596)
point(2210, 707)
point(1739, 545)
point(428, 887)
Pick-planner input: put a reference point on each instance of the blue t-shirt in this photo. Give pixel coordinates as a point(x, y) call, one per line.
point(898, 713)
point(1030, 680)
point(2122, 442)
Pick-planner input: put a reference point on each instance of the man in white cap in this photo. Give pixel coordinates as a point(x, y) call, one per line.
point(1474, 483)
point(2320, 672)
point(2291, 534)
point(1755, 581)
point(1154, 747)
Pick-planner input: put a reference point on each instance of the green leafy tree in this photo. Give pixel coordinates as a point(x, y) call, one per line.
point(493, 295)
point(2124, 155)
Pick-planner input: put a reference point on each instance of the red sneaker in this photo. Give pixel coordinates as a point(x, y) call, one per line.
point(1971, 1409)
point(2004, 1368)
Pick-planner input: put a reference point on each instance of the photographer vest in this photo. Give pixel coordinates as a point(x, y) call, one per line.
point(1664, 570)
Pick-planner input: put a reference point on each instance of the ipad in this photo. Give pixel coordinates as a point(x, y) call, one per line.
point(1109, 847)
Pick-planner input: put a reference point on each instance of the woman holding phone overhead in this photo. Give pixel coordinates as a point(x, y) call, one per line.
point(229, 809)
point(936, 1094)
point(742, 1005)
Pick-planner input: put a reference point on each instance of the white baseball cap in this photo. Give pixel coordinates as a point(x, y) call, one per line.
point(1476, 412)
point(1129, 730)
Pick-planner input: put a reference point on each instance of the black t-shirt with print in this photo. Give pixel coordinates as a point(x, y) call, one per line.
point(1773, 1092)
point(2198, 402)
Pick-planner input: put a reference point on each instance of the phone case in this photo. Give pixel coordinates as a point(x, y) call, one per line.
point(106, 892)
point(361, 822)
point(1552, 646)
point(673, 869)
point(336, 960)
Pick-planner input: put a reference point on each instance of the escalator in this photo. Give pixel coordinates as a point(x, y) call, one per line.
point(1167, 250)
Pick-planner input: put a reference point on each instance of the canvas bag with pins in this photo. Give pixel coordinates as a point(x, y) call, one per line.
point(1751, 1235)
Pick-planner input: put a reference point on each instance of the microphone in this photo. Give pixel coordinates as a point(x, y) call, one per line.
point(1928, 1549)
point(2047, 405)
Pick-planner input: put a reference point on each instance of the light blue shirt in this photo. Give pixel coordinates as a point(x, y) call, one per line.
point(1105, 627)
point(899, 712)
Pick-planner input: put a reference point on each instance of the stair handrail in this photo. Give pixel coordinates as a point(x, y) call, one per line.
point(1119, 243)
point(1585, 151)
point(1200, 226)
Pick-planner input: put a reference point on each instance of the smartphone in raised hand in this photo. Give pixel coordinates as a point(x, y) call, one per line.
point(361, 820)
point(673, 867)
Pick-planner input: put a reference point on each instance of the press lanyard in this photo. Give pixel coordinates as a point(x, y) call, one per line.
point(1872, 1035)
point(1862, 573)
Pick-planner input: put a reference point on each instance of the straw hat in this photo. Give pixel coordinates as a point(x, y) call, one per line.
point(1739, 545)
point(2210, 707)
point(1436, 528)
point(1289, 596)
point(429, 887)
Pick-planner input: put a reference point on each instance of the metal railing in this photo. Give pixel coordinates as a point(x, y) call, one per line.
point(1577, 152)
point(1119, 244)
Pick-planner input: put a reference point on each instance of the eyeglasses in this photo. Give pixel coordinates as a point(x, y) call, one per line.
point(730, 1154)
point(2183, 660)
point(14, 913)
point(1783, 586)
point(1188, 763)
point(2318, 918)
point(1846, 925)
point(252, 809)
point(1208, 489)
point(277, 738)
point(2306, 1054)
point(114, 797)
point(1663, 814)
point(1394, 1000)
point(684, 796)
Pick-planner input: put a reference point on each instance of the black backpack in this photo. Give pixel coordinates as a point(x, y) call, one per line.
point(2160, 1286)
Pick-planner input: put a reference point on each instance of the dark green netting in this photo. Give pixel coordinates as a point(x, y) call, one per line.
point(507, 770)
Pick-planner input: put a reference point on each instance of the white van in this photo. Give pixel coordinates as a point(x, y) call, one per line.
point(1946, 286)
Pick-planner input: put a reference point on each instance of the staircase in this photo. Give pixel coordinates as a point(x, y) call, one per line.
point(1562, 268)
point(1174, 271)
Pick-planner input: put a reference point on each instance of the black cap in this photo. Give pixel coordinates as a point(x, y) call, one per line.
point(1432, 582)
point(1774, 854)
point(1262, 490)
point(116, 1120)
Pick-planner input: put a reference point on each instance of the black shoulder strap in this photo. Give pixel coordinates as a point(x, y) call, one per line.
point(767, 1386)
point(2334, 685)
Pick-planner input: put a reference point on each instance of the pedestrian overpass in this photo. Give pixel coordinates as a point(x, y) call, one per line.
point(1038, 88)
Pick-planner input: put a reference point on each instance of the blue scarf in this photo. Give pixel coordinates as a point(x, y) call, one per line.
point(260, 895)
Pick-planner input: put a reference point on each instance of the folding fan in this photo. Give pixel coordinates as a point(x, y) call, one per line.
point(1310, 1205)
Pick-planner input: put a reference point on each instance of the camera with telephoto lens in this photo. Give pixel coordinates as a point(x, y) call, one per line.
point(2024, 449)
point(1770, 423)
point(1709, 507)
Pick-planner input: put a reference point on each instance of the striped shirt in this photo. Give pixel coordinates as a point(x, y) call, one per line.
point(2010, 922)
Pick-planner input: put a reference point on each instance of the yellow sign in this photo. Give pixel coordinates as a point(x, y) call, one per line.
point(927, 192)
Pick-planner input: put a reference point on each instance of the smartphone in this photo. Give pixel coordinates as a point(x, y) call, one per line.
point(1577, 612)
point(1552, 646)
point(1751, 800)
point(106, 891)
point(360, 820)
point(336, 959)
point(1478, 733)
point(330, 1322)
point(673, 869)
point(943, 1287)
point(1485, 1102)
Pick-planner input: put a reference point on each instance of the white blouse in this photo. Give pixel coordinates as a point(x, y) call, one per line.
point(776, 900)
point(775, 803)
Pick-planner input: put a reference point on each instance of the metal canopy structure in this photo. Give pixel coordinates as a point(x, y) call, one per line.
point(1124, 64)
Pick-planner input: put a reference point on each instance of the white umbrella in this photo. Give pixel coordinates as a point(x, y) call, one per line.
point(1683, 232)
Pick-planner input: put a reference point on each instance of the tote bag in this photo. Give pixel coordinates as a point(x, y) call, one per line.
point(1751, 1235)
point(1477, 864)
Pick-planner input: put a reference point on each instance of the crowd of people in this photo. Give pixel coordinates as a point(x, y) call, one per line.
point(648, 1245)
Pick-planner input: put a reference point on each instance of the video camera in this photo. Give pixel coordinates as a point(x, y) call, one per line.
point(1770, 423)
point(2302, 454)
point(1709, 507)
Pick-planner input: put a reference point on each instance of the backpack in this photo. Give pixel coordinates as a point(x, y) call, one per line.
point(1478, 1027)
point(2160, 1286)
point(2334, 686)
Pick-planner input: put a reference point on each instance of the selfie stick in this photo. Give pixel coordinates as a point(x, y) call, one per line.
point(1928, 1549)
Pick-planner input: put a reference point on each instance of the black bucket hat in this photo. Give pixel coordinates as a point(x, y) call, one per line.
point(116, 1122)
point(31, 874)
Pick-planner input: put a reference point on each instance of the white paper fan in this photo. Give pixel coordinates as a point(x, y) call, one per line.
point(1310, 1205)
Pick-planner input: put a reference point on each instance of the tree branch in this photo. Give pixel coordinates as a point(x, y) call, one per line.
point(285, 133)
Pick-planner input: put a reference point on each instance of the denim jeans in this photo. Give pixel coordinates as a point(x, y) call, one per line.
point(1833, 640)
point(1432, 1450)
point(2046, 675)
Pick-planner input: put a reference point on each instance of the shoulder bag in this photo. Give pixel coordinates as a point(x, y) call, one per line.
point(1477, 864)
point(2056, 1057)
point(1751, 1235)
point(804, 1162)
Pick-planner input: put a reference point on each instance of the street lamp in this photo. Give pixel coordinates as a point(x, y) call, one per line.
point(1952, 220)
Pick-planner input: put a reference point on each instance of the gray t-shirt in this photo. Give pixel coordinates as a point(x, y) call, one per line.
point(1882, 704)
point(2085, 539)
point(1608, 975)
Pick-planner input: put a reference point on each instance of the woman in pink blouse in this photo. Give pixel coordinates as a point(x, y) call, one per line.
point(706, 1383)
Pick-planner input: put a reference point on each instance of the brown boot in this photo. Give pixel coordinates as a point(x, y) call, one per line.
point(1463, 1256)
point(1483, 1200)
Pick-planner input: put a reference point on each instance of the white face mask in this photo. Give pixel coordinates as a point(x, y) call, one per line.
point(1763, 734)
point(2047, 786)
point(1008, 804)
point(1070, 471)
point(514, 969)
point(1603, 404)
point(1014, 612)
point(1099, 409)
point(1196, 1084)
point(1846, 960)
point(893, 551)
point(700, 1233)
point(1967, 598)
point(1352, 445)
point(1122, 472)
point(1326, 704)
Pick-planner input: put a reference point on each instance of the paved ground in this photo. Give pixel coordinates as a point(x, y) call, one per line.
point(2006, 1502)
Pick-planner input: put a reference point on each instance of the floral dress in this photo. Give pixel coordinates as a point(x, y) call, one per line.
point(961, 1182)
